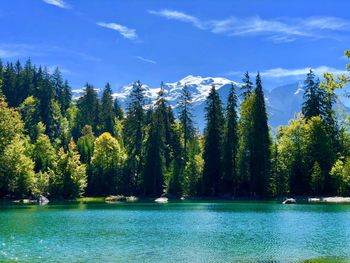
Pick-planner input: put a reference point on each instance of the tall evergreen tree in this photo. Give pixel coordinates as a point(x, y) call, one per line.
point(9, 85)
point(213, 147)
point(230, 179)
point(118, 111)
point(314, 97)
point(153, 173)
point(247, 87)
point(28, 80)
point(107, 110)
point(185, 117)
point(134, 137)
point(260, 153)
point(89, 108)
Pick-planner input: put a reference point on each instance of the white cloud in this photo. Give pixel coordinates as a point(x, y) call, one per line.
point(282, 72)
point(285, 73)
point(276, 30)
point(58, 3)
point(146, 60)
point(177, 15)
point(126, 32)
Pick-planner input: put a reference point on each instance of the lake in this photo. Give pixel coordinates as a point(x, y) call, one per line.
point(174, 232)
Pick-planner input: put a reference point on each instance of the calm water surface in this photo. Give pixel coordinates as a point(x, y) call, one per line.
point(173, 232)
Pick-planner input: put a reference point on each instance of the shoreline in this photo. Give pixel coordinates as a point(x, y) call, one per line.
point(134, 199)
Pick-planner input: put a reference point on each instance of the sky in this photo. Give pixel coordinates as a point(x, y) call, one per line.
point(99, 41)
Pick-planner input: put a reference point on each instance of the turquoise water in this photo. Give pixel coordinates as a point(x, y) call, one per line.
point(173, 232)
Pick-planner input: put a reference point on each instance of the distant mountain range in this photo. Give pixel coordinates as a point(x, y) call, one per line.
point(282, 102)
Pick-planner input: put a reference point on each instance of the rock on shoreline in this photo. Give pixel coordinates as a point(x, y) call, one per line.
point(121, 198)
point(332, 199)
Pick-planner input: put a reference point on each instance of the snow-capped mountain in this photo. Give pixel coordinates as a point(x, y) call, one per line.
point(198, 86)
point(282, 102)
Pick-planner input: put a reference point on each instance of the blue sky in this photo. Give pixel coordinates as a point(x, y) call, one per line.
point(97, 41)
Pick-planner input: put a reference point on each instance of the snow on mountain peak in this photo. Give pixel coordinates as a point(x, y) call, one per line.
point(199, 87)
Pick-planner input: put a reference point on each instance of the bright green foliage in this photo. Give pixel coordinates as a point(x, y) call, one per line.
point(71, 115)
point(29, 110)
point(107, 110)
point(69, 180)
point(10, 124)
point(152, 153)
point(213, 145)
point(317, 179)
point(44, 154)
point(107, 165)
point(16, 169)
point(340, 174)
point(291, 147)
point(319, 150)
point(118, 131)
point(41, 183)
point(229, 180)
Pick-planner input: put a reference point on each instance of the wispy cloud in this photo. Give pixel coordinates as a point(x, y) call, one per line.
point(126, 32)
point(277, 29)
point(285, 73)
point(282, 72)
point(58, 3)
point(180, 16)
point(146, 60)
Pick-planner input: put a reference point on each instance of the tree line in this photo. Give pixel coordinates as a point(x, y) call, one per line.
point(53, 145)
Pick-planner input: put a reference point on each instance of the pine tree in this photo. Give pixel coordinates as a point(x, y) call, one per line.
point(245, 143)
point(118, 111)
point(57, 83)
point(21, 91)
point(153, 172)
point(89, 109)
point(66, 97)
point(185, 117)
point(229, 180)
point(9, 85)
point(314, 97)
point(107, 110)
point(213, 147)
point(28, 81)
point(261, 143)
point(247, 88)
point(134, 137)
